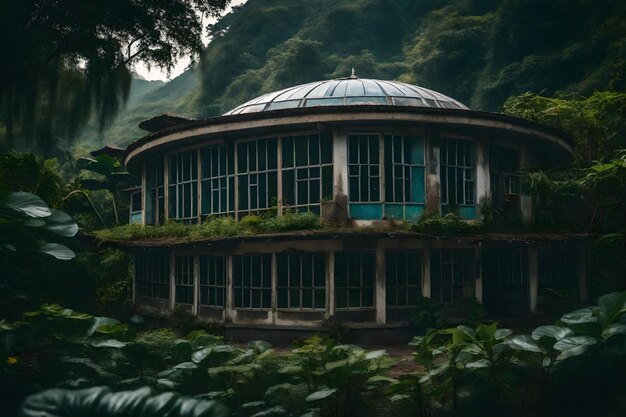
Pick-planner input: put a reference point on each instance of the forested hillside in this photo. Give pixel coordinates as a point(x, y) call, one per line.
point(477, 51)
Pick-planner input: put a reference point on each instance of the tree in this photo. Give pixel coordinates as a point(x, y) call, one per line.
point(65, 61)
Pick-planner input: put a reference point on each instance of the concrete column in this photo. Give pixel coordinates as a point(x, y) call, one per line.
point(483, 179)
point(279, 176)
point(144, 200)
point(426, 273)
point(478, 267)
point(196, 285)
point(166, 187)
point(533, 277)
point(526, 201)
point(330, 286)
point(228, 305)
point(433, 201)
point(199, 185)
point(274, 288)
point(340, 162)
point(380, 287)
point(235, 182)
point(172, 281)
point(582, 270)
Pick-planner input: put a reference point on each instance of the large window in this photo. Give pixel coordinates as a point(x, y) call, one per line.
point(404, 176)
point(155, 193)
point(212, 280)
point(183, 186)
point(307, 171)
point(403, 276)
point(364, 176)
point(458, 186)
point(301, 280)
point(184, 279)
point(558, 267)
point(451, 274)
point(354, 279)
point(252, 281)
point(504, 175)
point(152, 275)
point(218, 180)
point(256, 174)
point(134, 208)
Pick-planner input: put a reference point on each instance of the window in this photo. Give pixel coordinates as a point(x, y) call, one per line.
point(307, 171)
point(404, 176)
point(451, 275)
point(152, 275)
point(364, 177)
point(403, 276)
point(184, 279)
point(212, 280)
point(155, 193)
point(252, 281)
point(354, 279)
point(458, 177)
point(504, 173)
point(301, 280)
point(135, 208)
point(183, 186)
point(256, 173)
point(558, 267)
point(218, 180)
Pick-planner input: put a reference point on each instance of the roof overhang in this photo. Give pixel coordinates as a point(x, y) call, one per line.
point(275, 122)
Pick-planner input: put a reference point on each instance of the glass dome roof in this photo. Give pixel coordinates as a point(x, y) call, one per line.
point(348, 92)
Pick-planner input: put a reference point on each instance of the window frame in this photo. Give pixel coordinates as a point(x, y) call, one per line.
point(313, 288)
point(209, 284)
point(446, 166)
point(467, 262)
point(239, 174)
point(414, 256)
point(371, 255)
point(207, 182)
point(184, 278)
point(264, 257)
point(160, 259)
point(177, 183)
point(155, 191)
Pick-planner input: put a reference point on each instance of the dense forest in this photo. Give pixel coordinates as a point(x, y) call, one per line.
point(478, 51)
point(71, 341)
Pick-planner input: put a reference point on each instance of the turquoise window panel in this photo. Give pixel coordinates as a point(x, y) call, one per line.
point(409, 212)
point(468, 213)
point(418, 184)
point(394, 211)
point(366, 211)
point(413, 212)
point(136, 218)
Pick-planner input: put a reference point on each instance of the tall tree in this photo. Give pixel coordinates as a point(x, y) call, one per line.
point(64, 61)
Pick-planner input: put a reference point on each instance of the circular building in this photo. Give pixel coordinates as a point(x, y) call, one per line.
point(364, 155)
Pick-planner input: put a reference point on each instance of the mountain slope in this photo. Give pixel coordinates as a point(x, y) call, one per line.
point(477, 51)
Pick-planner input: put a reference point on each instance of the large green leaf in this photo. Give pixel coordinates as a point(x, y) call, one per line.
point(58, 251)
point(525, 343)
point(321, 394)
point(27, 203)
point(613, 306)
point(101, 402)
point(572, 342)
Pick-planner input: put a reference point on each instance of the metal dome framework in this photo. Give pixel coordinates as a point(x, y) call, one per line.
point(351, 91)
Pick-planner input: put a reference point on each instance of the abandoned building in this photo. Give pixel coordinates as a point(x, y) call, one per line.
point(357, 152)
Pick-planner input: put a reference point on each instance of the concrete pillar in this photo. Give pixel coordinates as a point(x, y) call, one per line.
point(274, 288)
point(279, 176)
point(196, 285)
point(172, 281)
point(340, 163)
point(533, 277)
point(478, 268)
point(166, 187)
point(526, 201)
point(582, 270)
point(426, 273)
point(433, 201)
point(380, 287)
point(144, 200)
point(330, 286)
point(228, 304)
point(483, 179)
point(199, 185)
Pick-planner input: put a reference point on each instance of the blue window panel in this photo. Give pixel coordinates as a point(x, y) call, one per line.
point(394, 211)
point(366, 211)
point(414, 211)
point(468, 213)
point(136, 218)
point(418, 185)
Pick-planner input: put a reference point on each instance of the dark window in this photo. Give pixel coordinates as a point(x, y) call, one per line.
point(451, 275)
point(155, 193)
point(252, 281)
point(307, 171)
point(457, 174)
point(504, 173)
point(184, 279)
point(403, 276)
point(354, 279)
point(152, 275)
point(183, 186)
point(558, 267)
point(212, 280)
point(404, 169)
point(256, 174)
point(364, 168)
point(301, 280)
point(135, 208)
point(218, 180)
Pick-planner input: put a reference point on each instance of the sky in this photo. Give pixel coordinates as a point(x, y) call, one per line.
point(158, 74)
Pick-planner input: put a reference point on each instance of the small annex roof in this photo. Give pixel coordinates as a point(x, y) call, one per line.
point(162, 122)
point(350, 91)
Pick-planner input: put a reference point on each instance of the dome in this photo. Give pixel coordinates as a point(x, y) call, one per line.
point(349, 91)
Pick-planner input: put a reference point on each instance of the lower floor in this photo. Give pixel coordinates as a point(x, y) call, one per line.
point(355, 280)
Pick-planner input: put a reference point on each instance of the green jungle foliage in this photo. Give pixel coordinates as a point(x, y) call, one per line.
point(99, 366)
point(478, 51)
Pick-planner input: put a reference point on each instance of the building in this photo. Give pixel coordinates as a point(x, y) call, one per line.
point(357, 152)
